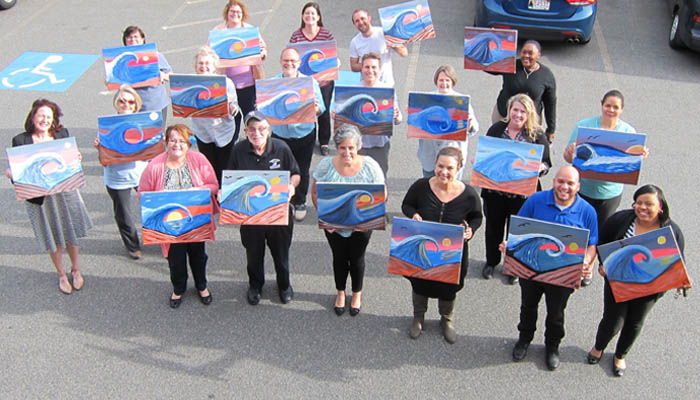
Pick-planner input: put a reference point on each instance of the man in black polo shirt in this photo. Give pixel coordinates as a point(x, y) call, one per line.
point(262, 152)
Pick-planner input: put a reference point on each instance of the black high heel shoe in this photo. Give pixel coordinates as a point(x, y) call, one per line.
point(617, 371)
point(338, 310)
point(593, 359)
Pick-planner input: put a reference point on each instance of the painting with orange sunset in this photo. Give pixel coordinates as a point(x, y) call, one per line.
point(176, 216)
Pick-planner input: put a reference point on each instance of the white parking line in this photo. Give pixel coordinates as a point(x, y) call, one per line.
point(412, 68)
point(212, 20)
point(605, 56)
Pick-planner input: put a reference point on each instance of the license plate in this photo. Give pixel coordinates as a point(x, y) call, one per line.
point(542, 5)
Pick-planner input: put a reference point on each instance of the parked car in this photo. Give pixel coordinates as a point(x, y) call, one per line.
point(5, 4)
point(570, 20)
point(685, 24)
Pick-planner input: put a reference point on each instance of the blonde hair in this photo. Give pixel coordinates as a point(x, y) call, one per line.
point(126, 88)
point(532, 124)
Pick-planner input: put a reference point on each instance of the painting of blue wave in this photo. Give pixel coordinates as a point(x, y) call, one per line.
point(609, 155)
point(113, 130)
point(131, 64)
point(426, 244)
point(235, 43)
point(314, 61)
point(437, 116)
point(197, 91)
point(338, 203)
point(490, 49)
point(601, 158)
point(254, 197)
point(282, 105)
point(318, 59)
point(350, 101)
point(499, 166)
point(176, 212)
point(286, 100)
point(236, 195)
point(479, 49)
point(435, 119)
point(407, 22)
point(33, 170)
point(527, 249)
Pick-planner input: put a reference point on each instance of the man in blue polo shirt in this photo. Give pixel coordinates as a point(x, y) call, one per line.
point(562, 205)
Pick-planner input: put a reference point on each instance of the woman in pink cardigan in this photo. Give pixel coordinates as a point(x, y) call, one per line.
point(177, 169)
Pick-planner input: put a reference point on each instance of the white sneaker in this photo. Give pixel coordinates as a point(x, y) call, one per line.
point(300, 212)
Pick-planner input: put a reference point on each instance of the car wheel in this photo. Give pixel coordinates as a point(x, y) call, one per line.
point(674, 39)
point(5, 4)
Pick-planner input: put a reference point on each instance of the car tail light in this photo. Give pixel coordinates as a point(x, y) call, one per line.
point(581, 2)
point(502, 26)
point(696, 18)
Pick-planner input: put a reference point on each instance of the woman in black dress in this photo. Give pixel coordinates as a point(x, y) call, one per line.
point(442, 198)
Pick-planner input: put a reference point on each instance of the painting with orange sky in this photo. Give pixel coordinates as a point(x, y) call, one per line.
point(506, 165)
point(254, 197)
point(351, 205)
point(176, 216)
point(610, 156)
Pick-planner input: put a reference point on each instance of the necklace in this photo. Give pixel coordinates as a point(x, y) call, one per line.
point(527, 74)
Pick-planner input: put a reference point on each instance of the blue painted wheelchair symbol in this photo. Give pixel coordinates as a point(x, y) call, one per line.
point(49, 72)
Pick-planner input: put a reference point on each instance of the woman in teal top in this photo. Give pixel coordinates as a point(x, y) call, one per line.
point(348, 247)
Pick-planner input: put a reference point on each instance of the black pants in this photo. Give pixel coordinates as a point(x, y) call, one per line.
point(246, 101)
point(379, 154)
point(626, 317)
point(218, 156)
point(324, 120)
point(348, 258)
point(556, 298)
point(497, 210)
point(177, 261)
point(121, 202)
point(303, 150)
point(604, 208)
point(279, 239)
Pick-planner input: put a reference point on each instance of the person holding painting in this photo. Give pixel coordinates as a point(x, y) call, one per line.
point(180, 168)
point(215, 136)
point(120, 179)
point(445, 79)
point(348, 246)
point(60, 219)
point(235, 16)
point(649, 212)
point(445, 199)
point(522, 125)
point(312, 30)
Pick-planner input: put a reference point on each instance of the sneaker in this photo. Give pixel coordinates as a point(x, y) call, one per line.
point(586, 282)
point(512, 280)
point(300, 212)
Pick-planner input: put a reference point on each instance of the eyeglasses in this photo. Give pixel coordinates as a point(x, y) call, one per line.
point(124, 101)
point(288, 60)
point(175, 141)
point(235, 12)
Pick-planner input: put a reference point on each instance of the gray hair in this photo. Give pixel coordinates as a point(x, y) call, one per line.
point(345, 132)
point(206, 51)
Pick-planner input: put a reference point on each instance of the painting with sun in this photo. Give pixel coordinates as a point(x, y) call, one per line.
point(199, 96)
point(407, 22)
point(492, 50)
point(319, 59)
point(545, 252)
point(46, 168)
point(507, 165)
point(610, 156)
point(351, 206)
point(286, 100)
point(643, 265)
point(426, 250)
point(371, 109)
point(130, 137)
point(176, 216)
point(438, 116)
point(135, 65)
point(254, 198)
point(236, 46)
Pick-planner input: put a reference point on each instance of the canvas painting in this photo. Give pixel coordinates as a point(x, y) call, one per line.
point(351, 206)
point(318, 59)
point(371, 109)
point(199, 96)
point(437, 116)
point(643, 265)
point(492, 50)
point(609, 156)
point(507, 165)
point(254, 198)
point(237, 46)
point(130, 137)
point(407, 22)
point(46, 168)
point(545, 252)
point(286, 100)
point(135, 65)
point(176, 216)
point(426, 250)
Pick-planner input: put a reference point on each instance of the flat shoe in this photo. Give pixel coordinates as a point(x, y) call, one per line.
point(175, 303)
point(339, 310)
point(354, 311)
point(206, 300)
point(617, 371)
point(593, 359)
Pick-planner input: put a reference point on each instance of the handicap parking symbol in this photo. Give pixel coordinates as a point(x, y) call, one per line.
point(50, 72)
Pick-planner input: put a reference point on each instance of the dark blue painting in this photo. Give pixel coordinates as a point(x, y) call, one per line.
point(351, 205)
point(492, 50)
point(610, 156)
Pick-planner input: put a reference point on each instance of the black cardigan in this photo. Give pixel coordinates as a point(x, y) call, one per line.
point(616, 225)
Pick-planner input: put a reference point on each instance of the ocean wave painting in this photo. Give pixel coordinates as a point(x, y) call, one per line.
point(286, 100)
point(644, 264)
point(545, 251)
point(236, 46)
point(351, 205)
point(130, 137)
point(426, 250)
point(507, 165)
point(318, 59)
point(491, 50)
point(366, 108)
point(609, 155)
point(45, 168)
point(407, 22)
point(437, 116)
point(134, 65)
point(254, 197)
point(176, 216)
point(201, 96)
